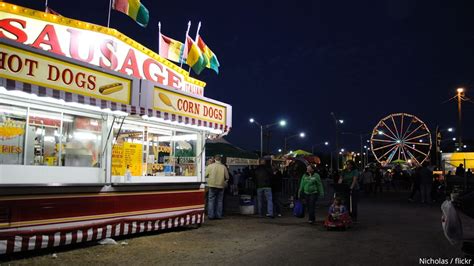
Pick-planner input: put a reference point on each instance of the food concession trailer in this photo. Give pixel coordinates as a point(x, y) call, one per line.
point(99, 136)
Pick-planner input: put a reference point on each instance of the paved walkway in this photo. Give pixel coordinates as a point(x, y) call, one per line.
point(391, 232)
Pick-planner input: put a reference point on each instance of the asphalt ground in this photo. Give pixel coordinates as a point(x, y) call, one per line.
point(391, 231)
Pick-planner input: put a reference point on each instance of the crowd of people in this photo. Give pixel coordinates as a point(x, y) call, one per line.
point(267, 181)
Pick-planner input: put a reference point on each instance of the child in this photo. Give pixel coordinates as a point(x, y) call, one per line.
point(338, 216)
point(336, 210)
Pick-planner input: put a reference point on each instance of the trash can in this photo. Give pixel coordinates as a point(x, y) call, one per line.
point(247, 205)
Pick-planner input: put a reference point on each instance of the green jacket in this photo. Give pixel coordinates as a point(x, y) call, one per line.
point(311, 184)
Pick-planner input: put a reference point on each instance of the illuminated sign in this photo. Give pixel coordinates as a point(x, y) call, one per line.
point(175, 103)
point(45, 71)
point(100, 46)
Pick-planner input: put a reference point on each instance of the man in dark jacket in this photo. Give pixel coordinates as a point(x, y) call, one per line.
point(460, 170)
point(263, 177)
point(277, 183)
point(426, 180)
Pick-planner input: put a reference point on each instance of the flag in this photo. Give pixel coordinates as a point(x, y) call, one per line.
point(51, 11)
point(134, 9)
point(194, 57)
point(170, 49)
point(212, 61)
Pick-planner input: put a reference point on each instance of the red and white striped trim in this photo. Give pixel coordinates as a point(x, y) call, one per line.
point(130, 109)
point(26, 240)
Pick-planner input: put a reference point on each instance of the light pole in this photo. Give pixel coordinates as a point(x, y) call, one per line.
point(336, 123)
point(361, 136)
point(460, 98)
point(439, 140)
point(281, 123)
point(301, 135)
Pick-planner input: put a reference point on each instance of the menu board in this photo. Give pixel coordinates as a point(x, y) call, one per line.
point(127, 154)
point(132, 154)
point(118, 167)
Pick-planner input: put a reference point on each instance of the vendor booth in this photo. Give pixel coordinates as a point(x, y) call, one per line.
point(99, 136)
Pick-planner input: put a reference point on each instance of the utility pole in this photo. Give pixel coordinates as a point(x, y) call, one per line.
point(460, 96)
point(336, 123)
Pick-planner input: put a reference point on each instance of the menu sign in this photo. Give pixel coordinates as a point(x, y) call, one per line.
point(45, 71)
point(176, 103)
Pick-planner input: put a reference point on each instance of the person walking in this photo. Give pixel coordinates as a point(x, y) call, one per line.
point(277, 185)
point(263, 176)
point(349, 179)
point(217, 178)
point(415, 186)
point(310, 189)
point(426, 181)
point(460, 170)
point(367, 180)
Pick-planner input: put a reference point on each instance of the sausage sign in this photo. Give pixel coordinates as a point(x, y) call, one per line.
point(45, 71)
point(93, 44)
point(174, 103)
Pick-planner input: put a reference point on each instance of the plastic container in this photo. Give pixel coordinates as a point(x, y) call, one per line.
point(247, 205)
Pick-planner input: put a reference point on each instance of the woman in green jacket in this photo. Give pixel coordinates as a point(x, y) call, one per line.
point(310, 189)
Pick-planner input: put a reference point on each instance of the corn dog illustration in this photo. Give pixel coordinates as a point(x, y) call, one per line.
point(110, 88)
point(166, 100)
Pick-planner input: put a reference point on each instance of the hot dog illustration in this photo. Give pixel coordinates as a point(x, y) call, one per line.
point(110, 88)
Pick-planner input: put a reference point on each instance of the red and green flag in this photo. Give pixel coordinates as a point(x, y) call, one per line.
point(134, 9)
point(194, 56)
point(212, 62)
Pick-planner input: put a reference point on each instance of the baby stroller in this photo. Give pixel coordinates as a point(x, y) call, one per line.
point(338, 215)
point(338, 221)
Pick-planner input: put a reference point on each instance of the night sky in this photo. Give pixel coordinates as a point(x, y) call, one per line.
point(301, 60)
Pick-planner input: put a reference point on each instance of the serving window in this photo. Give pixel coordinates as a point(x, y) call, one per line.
point(12, 134)
point(41, 145)
point(151, 153)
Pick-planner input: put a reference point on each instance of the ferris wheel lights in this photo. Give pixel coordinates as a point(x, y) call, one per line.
point(380, 132)
point(399, 141)
point(454, 139)
point(421, 140)
point(460, 90)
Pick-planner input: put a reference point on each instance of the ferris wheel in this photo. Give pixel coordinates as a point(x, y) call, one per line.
point(401, 137)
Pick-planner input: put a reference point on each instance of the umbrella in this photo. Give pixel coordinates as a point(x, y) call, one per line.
point(299, 153)
point(399, 161)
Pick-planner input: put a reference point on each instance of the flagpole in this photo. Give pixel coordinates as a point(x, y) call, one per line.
point(197, 35)
point(46, 6)
point(108, 19)
point(181, 59)
point(159, 36)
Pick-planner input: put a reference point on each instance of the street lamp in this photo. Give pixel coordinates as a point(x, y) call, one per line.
point(460, 97)
point(253, 121)
point(361, 136)
point(337, 122)
point(301, 135)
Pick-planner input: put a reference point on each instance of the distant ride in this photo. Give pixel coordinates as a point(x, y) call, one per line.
point(401, 137)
